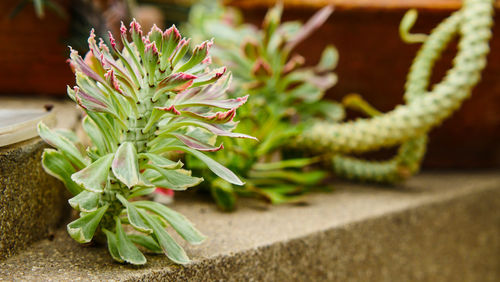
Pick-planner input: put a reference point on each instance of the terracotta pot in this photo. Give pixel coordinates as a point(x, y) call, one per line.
point(32, 52)
point(374, 62)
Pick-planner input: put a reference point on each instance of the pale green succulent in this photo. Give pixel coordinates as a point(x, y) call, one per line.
point(142, 102)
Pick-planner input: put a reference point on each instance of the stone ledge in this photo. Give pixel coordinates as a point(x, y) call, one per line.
point(32, 203)
point(439, 226)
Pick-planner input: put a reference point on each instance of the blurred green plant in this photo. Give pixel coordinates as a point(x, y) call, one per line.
point(259, 60)
point(143, 103)
point(285, 99)
point(39, 6)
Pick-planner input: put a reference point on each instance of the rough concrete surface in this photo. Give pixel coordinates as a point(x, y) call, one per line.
point(437, 227)
point(32, 203)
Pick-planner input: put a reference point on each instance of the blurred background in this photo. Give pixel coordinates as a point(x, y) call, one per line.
point(34, 36)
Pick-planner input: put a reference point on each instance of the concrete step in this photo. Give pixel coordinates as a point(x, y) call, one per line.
point(437, 227)
point(32, 203)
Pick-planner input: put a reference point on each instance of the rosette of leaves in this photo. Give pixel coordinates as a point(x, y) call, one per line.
point(285, 98)
point(142, 102)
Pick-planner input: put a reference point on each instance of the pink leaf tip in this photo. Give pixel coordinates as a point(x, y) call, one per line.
point(112, 40)
point(174, 30)
point(135, 27)
point(123, 29)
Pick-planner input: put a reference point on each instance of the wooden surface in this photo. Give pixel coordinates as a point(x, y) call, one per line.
point(357, 4)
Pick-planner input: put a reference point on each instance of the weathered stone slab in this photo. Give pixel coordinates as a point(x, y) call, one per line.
point(32, 203)
point(437, 227)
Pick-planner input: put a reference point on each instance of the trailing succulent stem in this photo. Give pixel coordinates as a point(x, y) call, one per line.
point(143, 102)
point(427, 108)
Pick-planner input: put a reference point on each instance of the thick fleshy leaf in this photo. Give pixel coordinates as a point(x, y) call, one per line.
point(171, 249)
point(179, 222)
point(220, 170)
point(147, 242)
point(196, 144)
point(223, 104)
point(271, 21)
point(81, 66)
point(82, 230)
point(136, 32)
point(160, 161)
point(171, 38)
point(56, 164)
point(200, 52)
point(88, 102)
point(155, 35)
point(224, 194)
point(179, 52)
point(85, 201)
point(126, 249)
point(95, 134)
point(290, 163)
point(329, 59)
point(138, 191)
point(150, 62)
point(209, 77)
point(218, 117)
point(212, 92)
point(219, 129)
point(262, 69)
point(112, 245)
point(125, 166)
point(299, 177)
point(60, 142)
point(173, 179)
point(133, 216)
point(94, 177)
point(250, 48)
point(176, 82)
point(281, 194)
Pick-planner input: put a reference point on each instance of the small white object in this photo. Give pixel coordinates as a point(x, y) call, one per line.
point(17, 125)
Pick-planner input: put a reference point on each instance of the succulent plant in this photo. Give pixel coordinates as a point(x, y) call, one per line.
point(406, 126)
point(143, 102)
point(285, 99)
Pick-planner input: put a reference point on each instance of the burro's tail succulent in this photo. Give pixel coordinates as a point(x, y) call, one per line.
point(142, 102)
point(407, 125)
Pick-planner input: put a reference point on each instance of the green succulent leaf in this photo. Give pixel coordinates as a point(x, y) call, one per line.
point(112, 245)
point(160, 161)
point(125, 166)
point(95, 134)
point(63, 144)
point(94, 178)
point(56, 164)
point(82, 230)
point(86, 201)
point(126, 248)
point(173, 179)
point(224, 194)
point(138, 191)
point(147, 242)
point(133, 216)
point(179, 222)
point(290, 163)
point(329, 59)
point(213, 165)
point(171, 249)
